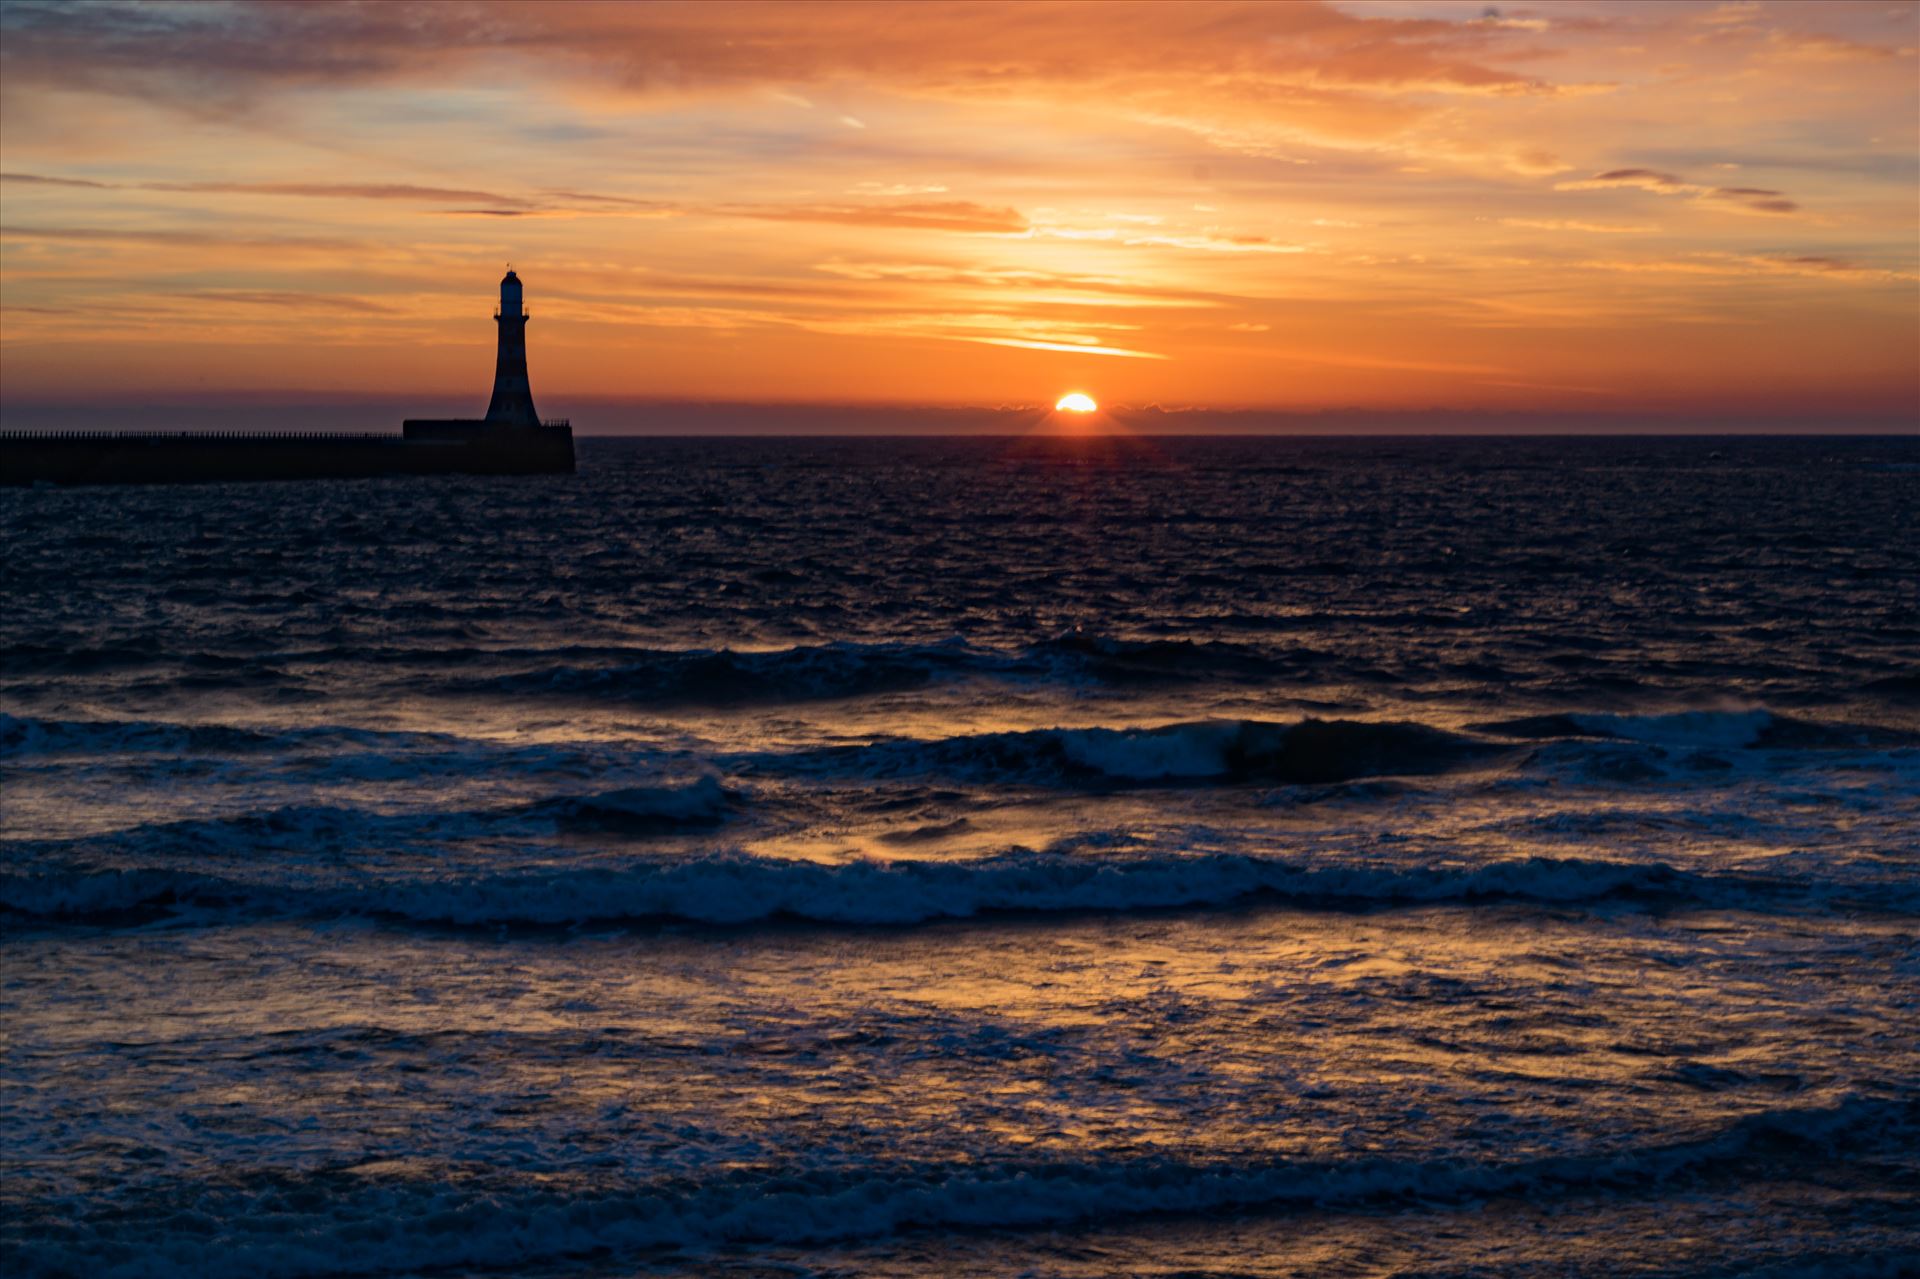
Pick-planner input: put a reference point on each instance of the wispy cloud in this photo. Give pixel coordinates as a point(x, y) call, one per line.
point(1576, 224)
point(306, 190)
point(1814, 266)
point(946, 215)
point(176, 238)
point(1204, 240)
point(1076, 348)
point(896, 188)
point(289, 301)
point(1758, 199)
point(43, 180)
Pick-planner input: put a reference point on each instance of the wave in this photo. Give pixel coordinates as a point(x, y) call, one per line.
point(701, 803)
point(737, 889)
point(23, 736)
point(636, 810)
point(74, 659)
point(1754, 728)
point(345, 1222)
point(825, 672)
point(1901, 688)
point(1112, 660)
point(725, 677)
point(316, 755)
point(1307, 752)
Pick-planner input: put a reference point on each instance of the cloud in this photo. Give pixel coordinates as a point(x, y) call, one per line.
point(985, 328)
point(946, 215)
point(290, 301)
point(310, 190)
point(1207, 240)
point(1644, 179)
point(1007, 308)
point(673, 47)
point(589, 197)
point(1565, 224)
point(1816, 266)
point(1247, 77)
point(1734, 14)
point(896, 188)
point(177, 238)
point(56, 182)
point(1075, 347)
point(1067, 288)
point(1805, 46)
point(1759, 199)
point(337, 191)
point(1210, 243)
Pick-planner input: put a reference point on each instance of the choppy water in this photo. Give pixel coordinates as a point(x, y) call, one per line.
point(967, 857)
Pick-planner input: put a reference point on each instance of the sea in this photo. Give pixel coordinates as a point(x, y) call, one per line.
point(971, 857)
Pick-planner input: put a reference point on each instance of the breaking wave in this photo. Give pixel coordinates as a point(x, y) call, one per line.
point(1310, 751)
point(1701, 730)
point(339, 1223)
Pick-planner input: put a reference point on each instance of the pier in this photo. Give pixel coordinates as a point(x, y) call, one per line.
point(510, 440)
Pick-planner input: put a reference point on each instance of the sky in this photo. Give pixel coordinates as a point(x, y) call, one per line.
point(1664, 213)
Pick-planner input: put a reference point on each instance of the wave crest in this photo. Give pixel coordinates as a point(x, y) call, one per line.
point(1310, 751)
point(736, 889)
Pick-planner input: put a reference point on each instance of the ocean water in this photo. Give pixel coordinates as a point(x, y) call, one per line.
point(971, 857)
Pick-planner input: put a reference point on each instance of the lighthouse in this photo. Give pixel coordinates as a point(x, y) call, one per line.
point(512, 403)
point(511, 439)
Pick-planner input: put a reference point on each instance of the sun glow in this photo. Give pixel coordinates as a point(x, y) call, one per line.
point(1075, 402)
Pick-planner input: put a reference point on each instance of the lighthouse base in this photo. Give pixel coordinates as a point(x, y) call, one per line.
point(488, 448)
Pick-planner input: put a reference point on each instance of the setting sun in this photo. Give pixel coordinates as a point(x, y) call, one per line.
point(1075, 402)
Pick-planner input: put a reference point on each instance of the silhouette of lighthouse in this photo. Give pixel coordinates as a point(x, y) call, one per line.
point(511, 439)
point(512, 403)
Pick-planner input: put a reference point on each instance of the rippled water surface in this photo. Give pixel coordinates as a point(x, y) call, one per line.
point(855, 857)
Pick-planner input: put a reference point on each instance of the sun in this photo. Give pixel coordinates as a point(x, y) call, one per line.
point(1075, 402)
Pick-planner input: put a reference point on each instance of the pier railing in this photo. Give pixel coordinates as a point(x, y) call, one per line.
point(197, 436)
point(30, 436)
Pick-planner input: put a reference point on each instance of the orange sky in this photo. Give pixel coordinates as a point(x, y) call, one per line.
point(1656, 209)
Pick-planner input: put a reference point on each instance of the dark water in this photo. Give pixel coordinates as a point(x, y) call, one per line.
point(971, 857)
